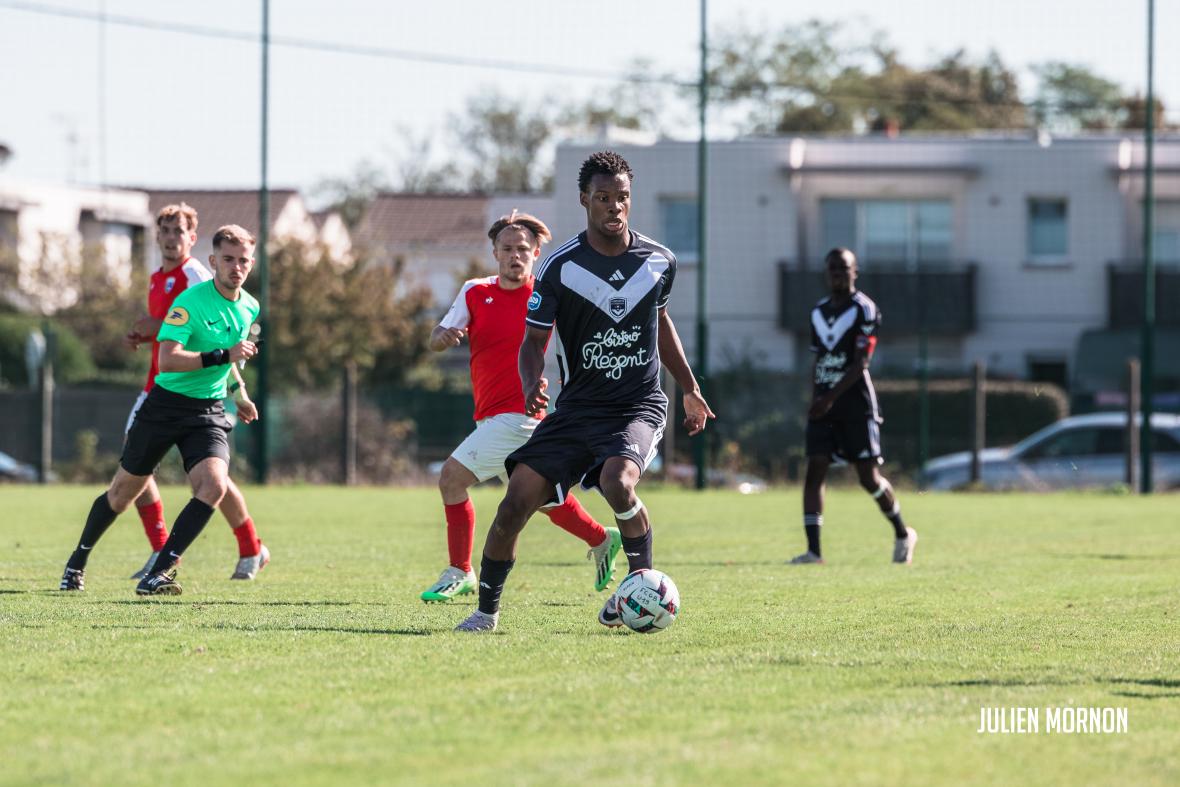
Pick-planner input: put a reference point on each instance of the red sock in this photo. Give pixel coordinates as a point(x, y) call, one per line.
point(460, 532)
point(572, 518)
point(248, 543)
point(152, 516)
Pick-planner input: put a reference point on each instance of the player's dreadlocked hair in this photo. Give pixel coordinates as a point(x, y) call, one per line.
point(605, 162)
point(522, 221)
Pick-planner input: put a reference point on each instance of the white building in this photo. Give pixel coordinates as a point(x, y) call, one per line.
point(1024, 243)
point(46, 228)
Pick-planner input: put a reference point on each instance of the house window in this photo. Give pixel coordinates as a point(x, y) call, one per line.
point(1047, 230)
point(905, 233)
point(678, 227)
point(1166, 238)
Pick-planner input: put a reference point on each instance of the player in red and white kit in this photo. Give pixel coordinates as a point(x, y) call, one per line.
point(490, 313)
point(176, 232)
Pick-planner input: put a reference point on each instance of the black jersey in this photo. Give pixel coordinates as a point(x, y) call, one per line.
point(837, 332)
point(605, 310)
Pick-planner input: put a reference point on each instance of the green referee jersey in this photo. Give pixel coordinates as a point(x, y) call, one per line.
point(202, 320)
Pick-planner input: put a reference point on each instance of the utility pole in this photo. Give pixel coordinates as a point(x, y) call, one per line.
point(699, 444)
point(1147, 350)
point(262, 453)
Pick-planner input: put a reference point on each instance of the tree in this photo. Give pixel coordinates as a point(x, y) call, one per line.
point(1071, 98)
point(503, 137)
point(328, 312)
point(806, 79)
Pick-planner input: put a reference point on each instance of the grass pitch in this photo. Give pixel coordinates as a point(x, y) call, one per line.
point(328, 670)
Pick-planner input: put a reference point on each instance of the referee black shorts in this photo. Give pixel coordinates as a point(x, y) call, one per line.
point(198, 427)
point(848, 440)
point(571, 445)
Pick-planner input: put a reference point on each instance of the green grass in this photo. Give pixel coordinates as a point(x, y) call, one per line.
point(328, 670)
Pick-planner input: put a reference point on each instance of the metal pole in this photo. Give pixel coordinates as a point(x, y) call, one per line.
point(978, 419)
point(262, 457)
point(1147, 351)
point(1132, 432)
point(698, 446)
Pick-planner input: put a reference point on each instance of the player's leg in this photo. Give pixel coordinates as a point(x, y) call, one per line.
point(106, 508)
point(820, 447)
point(458, 578)
point(604, 542)
point(527, 491)
point(905, 538)
point(149, 505)
point(205, 452)
point(150, 508)
point(252, 553)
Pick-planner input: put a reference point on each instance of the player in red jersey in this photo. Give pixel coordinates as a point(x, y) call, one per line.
point(176, 232)
point(490, 313)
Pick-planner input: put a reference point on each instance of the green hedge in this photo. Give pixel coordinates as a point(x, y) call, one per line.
point(72, 361)
point(1014, 411)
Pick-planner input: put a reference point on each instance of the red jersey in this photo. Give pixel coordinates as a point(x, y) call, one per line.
point(163, 288)
point(494, 319)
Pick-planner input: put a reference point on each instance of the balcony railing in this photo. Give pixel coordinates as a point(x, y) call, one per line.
point(1124, 293)
point(941, 295)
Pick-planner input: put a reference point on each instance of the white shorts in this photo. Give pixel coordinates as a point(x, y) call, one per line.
point(135, 409)
point(485, 449)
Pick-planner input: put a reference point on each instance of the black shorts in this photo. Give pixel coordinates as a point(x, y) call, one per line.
point(570, 446)
point(198, 427)
point(845, 440)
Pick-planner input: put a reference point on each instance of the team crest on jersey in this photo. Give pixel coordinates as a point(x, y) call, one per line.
point(618, 306)
point(168, 285)
point(177, 316)
point(489, 299)
point(534, 301)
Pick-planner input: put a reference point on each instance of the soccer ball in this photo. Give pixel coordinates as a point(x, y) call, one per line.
point(648, 601)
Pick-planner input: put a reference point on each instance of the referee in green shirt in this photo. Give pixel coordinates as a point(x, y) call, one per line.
point(203, 335)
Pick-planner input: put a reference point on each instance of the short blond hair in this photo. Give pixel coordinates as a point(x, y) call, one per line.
point(520, 221)
point(178, 210)
point(232, 233)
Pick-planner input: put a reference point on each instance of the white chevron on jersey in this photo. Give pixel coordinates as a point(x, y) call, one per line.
point(616, 304)
point(830, 335)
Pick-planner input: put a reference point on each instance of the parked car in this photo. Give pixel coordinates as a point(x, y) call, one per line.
point(12, 470)
point(1080, 451)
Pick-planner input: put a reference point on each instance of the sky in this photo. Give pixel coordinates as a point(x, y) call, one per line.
point(165, 108)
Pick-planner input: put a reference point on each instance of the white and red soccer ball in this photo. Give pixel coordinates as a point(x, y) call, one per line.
point(648, 601)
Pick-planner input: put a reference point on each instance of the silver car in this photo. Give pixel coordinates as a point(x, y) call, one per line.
point(1080, 451)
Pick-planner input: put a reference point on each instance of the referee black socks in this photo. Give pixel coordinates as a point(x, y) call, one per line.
point(100, 518)
point(638, 551)
point(492, 576)
point(189, 524)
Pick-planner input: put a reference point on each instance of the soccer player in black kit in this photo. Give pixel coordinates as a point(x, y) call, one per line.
point(606, 291)
point(844, 420)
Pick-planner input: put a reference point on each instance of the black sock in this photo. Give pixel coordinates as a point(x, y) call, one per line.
point(100, 518)
point(638, 551)
point(189, 524)
point(811, 525)
point(895, 519)
point(492, 576)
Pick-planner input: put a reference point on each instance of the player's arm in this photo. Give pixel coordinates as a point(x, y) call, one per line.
point(860, 362)
point(142, 330)
point(696, 409)
point(445, 338)
point(247, 410)
point(174, 358)
point(531, 365)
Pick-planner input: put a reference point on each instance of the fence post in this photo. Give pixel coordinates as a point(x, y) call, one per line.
point(1132, 467)
point(348, 457)
point(45, 378)
point(978, 419)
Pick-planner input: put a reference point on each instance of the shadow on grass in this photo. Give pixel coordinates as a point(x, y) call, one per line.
point(7, 592)
point(1007, 682)
point(1163, 683)
point(1113, 556)
point(1139, 695)
point(298, 627)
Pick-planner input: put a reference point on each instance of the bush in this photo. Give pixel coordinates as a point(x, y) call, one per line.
point(72, 362)
point(1014, 410)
